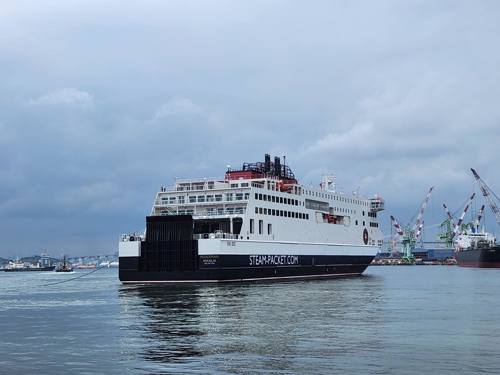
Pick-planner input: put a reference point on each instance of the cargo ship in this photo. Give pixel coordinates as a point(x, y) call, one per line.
point(477, 250)
point(474, 247)
point(256, 223)
point(18, 266)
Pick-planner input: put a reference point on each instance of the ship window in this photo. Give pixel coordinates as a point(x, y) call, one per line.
point(218, 197)
point(296, 202)
point(280, 213)
point(201, 198)
point(192, 199)
point(356, 222)
point(273, 212)
point(244, 184)
point(260, 210)
point(281, 199)
point(247, 196)
point(181, 199)
point(256, 210)
point(261, 226)
point(269, 229)
point(210, 198)
point(172, 200)
point(234, 185)
point(229, 196)
point(256, 196)
point(363, 223)
point(251, 226)
point(273, 198)
point(363, 213)
point(265, 211)
point(289, 214)
point(260, 196)
point(264, 196)
point(307, 216)
point(239, 196)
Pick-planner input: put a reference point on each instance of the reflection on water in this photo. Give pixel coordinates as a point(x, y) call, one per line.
point(401, 320)
point(242, 327)
point(168, 320)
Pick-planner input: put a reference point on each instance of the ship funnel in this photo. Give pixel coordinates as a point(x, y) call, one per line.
point(277, 166)
point(267, 163)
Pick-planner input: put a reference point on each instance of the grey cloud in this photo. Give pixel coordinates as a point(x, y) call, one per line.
point(64, 97)
point(103, 104)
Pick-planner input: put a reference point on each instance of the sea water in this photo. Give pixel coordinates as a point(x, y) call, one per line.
point(392, 320)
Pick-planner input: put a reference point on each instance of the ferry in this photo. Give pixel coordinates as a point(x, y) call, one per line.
point(256, 223)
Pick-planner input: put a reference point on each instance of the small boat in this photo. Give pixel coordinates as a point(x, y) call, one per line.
point(64, 266)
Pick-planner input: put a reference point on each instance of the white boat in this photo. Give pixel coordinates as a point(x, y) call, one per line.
point(258, 222)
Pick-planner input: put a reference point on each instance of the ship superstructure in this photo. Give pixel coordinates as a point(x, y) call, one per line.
point(256, 222)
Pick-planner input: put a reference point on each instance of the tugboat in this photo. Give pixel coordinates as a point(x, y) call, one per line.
point(255, 223)
point(64, 266)
point(474, 248)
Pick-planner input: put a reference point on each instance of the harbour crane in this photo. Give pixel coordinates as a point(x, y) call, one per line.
point(479, 217)
point(458, 225)
point(488, 194)
point(410, 234)
point(447, 226)
point(452, 228)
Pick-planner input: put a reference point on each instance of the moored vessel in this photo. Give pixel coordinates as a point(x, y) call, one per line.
point(18, 266)
point(475, 248)
point(256, 223)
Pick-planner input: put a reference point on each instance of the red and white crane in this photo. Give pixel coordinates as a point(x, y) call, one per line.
point(461, 219)
point(479, 217)
point(450, 216)
point(488, 194)
point(411, 234)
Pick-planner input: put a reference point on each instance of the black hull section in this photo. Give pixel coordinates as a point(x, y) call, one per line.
point(169, 254)
point(233, 268)
point(479, 258)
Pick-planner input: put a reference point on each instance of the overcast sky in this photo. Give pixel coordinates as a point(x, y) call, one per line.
point(102, 102)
